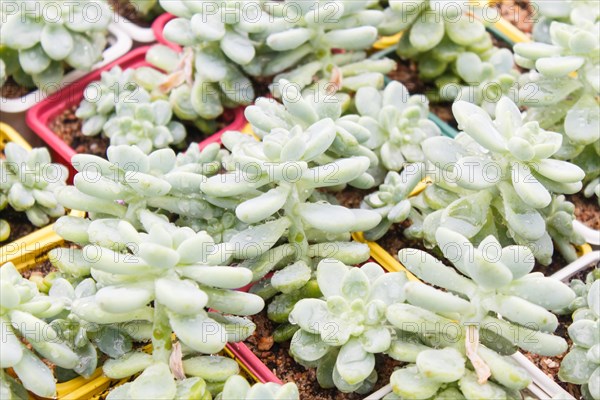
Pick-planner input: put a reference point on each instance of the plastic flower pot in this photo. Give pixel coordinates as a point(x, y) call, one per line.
point(39, 117)
point(158, 26)
point(119, 44)
point(24, 252)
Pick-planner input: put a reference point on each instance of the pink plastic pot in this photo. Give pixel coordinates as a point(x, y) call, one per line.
point(249, 359)
point(158, 26)
point(39, 117)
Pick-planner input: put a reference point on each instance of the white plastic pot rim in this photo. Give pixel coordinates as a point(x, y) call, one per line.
point(578, 265)
point(592, 236)
point(542, 386)
point(380, 394)
point(136, 32)
point(119, 44)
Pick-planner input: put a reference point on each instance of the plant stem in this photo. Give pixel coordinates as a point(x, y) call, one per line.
point(161, 334)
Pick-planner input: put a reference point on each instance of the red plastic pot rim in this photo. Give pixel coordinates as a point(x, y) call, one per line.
point(158, 26)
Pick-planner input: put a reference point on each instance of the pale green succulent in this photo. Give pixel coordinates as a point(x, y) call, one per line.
point(391, 200)
point(569, 11)
point(445, 374)
point(101, 97)
point(23, 311)
point(435, 36)
point(237, 388)
point(493, 281)
point(351, 131)
point(162, 279)
point(272, 186)
point(37, 47)
point(482, 81)
point(559, 217)
point(199, 377)
point(82, 337)
point(341, 333)
point(581, 365)
point(4, 225)
point(499, 170)
point(300, 39)
point(147, 8)
point(127, 113)
point(398, 124)
point(218, 41)
point(562, 90)
point(28, 182)
point(149, 126)
point(131, 181)
point(483, 310)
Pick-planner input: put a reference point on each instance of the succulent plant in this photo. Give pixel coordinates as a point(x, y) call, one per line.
point(492, 282)
point(444, 373)
point(36, 47)
point(351, 131)
point(218, 41)
point(482, 81)
point(272, 185)
point(562, 90)
point(28, 181)
point(436, 36)
point(198, 376)
point(581, 365)
point(147, 8)
point(568, 11)
point(130, 181)
point(397, 122)
point(391, 200)
point(300, 39)
point(559, 216)
point(2, 72)
point(237, 388)
point(85, 338)
point(500, 170)
point(22, 313)
point(101, 98)
point(341, 333)
point(176, 270)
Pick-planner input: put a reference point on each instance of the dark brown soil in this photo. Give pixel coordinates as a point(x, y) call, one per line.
point(19, 224)
point(12, 90)
point(587, 210)
point(351, 197)
point(68, 127)
point(520, 13)
point(276, 357)
point(394, 240)
point(128, 10)
point(558, 263)
point(43, 269)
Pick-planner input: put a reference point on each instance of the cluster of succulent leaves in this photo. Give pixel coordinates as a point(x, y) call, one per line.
point(487, 281)
point(452, 50)
point(126, 113)
point(568, 11)
point(28, 181)
point(562, 90)
point(271, 185)
point(300, 39)
point(176, 270)
point(130, 181)
point(496, 177)
point(23, 315)
point(581, 365)
point(341, 333)
point(237, 388)
point(37, 45)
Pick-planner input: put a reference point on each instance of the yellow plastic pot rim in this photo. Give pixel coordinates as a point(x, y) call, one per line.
point(8, 134)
